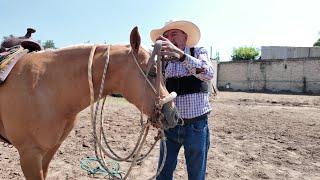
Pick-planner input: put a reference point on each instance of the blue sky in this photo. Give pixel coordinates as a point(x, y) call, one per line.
point(224, 24)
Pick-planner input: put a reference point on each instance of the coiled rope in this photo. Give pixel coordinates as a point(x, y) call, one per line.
point(98, 137)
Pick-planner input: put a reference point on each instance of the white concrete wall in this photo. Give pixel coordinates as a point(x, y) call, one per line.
point(315, 52)
point(299, 75)
point(285, 52)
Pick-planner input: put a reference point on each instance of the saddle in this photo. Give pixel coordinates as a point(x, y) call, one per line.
point(25, 41)
point(12, 49)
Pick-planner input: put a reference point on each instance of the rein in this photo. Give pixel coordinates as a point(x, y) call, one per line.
point(100, 151)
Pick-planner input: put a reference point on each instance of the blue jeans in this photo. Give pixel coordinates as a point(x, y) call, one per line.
point(195, 138)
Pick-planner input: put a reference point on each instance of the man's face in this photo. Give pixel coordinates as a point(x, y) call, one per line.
point(177, 37)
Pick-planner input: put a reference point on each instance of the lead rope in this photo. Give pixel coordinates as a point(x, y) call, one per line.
point(160, 136)
point(93, 122)
point(144, 131)
point(116, 157)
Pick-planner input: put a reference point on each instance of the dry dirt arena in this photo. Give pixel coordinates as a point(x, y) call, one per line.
point(253, 136)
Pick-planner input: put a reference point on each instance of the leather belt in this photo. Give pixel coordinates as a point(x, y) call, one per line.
point(192, 120)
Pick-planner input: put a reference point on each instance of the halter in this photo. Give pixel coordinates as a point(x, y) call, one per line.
point(99, 150)
point(154, 59)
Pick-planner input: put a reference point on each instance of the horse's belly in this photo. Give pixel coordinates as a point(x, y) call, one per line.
point(24, 125)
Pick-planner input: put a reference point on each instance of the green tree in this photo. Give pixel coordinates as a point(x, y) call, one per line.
point(244, 53)
point(317, 43)
point(49, 44)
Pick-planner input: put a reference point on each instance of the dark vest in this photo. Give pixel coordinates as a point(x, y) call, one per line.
point(186, 84)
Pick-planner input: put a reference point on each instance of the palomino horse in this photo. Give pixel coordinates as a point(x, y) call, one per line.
point(47, 89)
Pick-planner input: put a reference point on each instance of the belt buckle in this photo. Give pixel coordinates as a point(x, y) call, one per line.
point(180, 122)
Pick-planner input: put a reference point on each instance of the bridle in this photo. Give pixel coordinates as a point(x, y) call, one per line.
point(100, 151)
point(155, 59)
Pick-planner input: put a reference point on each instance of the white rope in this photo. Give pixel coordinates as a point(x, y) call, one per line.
point(99, 150)
point(91, 81)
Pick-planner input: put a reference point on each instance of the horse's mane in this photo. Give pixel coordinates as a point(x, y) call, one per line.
point(83, 45)
point(86, 45)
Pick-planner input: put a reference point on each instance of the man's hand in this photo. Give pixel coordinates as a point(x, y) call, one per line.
point(169, 49)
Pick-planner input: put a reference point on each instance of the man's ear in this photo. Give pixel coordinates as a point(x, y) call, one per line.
point(135, 40)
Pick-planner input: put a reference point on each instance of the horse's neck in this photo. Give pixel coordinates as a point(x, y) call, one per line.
point(73, 74)
point(71, 71)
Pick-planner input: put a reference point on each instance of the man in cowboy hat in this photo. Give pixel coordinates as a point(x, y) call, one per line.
point(188, 74)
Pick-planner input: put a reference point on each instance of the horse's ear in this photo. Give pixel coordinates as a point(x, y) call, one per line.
point(135, 39)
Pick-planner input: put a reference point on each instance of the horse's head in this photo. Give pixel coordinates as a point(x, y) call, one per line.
point(146, 90)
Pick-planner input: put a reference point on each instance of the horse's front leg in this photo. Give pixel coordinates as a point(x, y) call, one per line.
point(31, 163)
point(47, 159)
point(51, 152)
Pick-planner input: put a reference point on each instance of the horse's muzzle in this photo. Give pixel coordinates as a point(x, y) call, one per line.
point(171, 116)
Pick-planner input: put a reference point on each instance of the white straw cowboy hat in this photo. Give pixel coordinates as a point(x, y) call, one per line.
point(188, 27)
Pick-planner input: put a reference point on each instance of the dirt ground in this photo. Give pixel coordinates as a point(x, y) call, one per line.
point(253, 136)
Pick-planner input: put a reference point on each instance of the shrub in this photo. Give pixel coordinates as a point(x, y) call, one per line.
point(245, 53)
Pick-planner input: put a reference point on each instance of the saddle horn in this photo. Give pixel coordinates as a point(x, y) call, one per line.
point(29, 33)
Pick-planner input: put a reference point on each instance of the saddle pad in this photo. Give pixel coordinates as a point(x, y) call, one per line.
point(9, 61)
